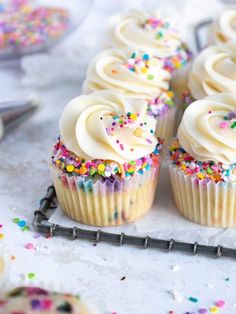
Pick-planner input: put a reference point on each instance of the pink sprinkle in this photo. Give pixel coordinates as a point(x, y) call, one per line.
point(29, 246)
point(215, 168)
point(121, 146)
point(224, 125)
point(1, 225)
point(220, 303)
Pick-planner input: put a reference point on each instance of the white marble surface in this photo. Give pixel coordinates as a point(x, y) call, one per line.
point(80, 267)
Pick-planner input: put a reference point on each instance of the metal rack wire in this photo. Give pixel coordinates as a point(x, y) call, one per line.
point(48, 203)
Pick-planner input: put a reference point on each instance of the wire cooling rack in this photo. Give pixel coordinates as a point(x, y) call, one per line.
point(49, 204)
point(197, 33)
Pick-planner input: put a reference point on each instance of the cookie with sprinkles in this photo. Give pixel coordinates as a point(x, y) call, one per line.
point(202, 161)
point(106, 159)
point(149, 33)
point(32, 300)
point(137, 75)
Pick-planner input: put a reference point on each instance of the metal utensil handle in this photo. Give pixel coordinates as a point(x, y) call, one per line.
point(197, 36)
point(47, 203)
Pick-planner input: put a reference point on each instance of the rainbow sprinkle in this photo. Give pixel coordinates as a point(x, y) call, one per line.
point(159, 25)
point(181, 56)
point(71, 164)
point(23, 25)
point(209, 171)
point(139, 64)
point(229, 121)
point(160, 105)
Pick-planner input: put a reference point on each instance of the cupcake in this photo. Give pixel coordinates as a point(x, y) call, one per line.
point(29, 300)
point(139, 76)
point(223, 28)
point(106, 162)
point(213, 71)
point(202, 162)
point(148, 33)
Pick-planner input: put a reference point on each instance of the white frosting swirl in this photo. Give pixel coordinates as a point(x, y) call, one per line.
point(87, 121)
point(144, 32)
point(205, 133)
point(115, 69)
point(214, 71)
point(224, 28)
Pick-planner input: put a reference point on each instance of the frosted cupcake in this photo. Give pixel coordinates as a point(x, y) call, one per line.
point(203, 162)
point(30, 300)
point(148, 33)
point(105, 165)
point(139, 76)
point(213, 71)
point(223, 29)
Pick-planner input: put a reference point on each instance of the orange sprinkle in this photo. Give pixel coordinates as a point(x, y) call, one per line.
point(82, 170)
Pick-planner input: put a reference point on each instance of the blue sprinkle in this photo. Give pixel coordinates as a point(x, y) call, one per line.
point(146, 56)
point(21, 223)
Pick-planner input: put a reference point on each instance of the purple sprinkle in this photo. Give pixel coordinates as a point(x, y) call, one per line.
point(148, 141)
point(35, 304)
point(231, 115)
point(202, 311)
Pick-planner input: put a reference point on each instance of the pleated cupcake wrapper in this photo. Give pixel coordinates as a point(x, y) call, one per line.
point(101, 202)
point(165, 126)
point(23, 296)
point(206, 203)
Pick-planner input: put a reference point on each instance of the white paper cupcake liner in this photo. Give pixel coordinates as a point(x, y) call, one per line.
point(101, 202)
point(165, 126)
point(206, 203)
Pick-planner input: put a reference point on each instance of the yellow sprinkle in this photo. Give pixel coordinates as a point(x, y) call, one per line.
point(58, 161)
point(101, 167)
point(200, 175)
point(144, 70)
point(184, 167)
point(214, 309)
point(1, 236)
point(70, 168)
point(138, 132)
point(170, 94)
point(133, 116)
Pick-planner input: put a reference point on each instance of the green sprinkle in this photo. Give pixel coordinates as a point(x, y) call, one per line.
point(92, 171)
point(209, 170)
point(233, 125)
point(25, 228)
point(16, 220)
point(31, 276)
point(159, 35)
point(150, 77)
point(192, 299)
point(227, 279)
